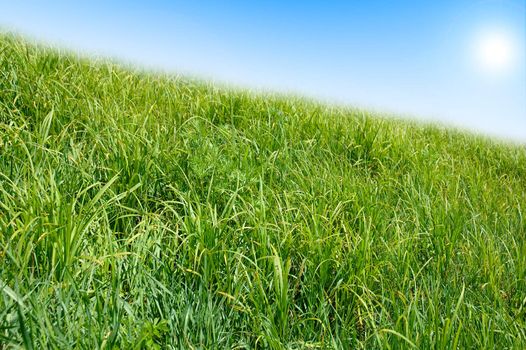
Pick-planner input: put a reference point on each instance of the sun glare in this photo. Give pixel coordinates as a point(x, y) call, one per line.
point(495, 52)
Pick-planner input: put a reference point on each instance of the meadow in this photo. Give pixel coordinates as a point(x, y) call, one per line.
point(141, 210)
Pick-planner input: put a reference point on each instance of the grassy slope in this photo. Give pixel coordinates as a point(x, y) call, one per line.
point(141, 209)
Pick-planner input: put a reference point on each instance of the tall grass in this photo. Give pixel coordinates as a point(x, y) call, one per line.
point(148, 211)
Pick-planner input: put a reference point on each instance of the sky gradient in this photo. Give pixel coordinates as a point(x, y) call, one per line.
point(413, 58)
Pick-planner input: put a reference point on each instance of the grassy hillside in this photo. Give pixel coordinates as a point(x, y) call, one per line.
point(144, 211)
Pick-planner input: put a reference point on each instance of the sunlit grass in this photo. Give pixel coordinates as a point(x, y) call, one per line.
point(144, 211)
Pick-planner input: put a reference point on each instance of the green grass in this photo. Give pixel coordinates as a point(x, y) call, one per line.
point(139, 210)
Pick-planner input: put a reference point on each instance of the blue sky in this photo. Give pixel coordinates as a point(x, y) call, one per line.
point(414, 58)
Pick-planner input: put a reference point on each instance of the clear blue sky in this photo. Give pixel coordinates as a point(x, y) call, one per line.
point(407, 57)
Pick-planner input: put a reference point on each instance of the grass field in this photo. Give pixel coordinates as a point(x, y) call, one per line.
point(139, 210)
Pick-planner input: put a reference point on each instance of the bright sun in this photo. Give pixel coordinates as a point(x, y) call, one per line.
point(495, 52)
